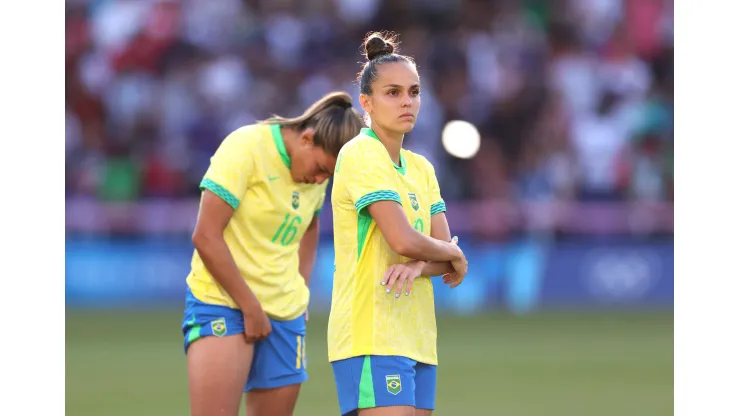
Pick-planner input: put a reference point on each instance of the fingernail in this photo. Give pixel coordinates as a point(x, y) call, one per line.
point(382, 283)
point(397, 295)
point(407, 293)
point(387, 291)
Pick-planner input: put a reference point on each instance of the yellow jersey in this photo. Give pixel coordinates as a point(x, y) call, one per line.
point(364, 319)
point(251, 172)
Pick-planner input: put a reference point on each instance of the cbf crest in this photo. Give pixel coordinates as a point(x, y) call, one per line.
point(296, 199)
point(218, 327)
point(393, 384)
point(414, 201)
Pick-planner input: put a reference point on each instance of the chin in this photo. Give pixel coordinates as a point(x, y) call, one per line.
point(406, 127)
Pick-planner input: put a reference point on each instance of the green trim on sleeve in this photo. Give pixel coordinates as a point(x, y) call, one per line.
point(376, 196)
point(438, 208)
point(219, 190)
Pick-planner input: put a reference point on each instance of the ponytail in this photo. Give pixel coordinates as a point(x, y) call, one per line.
point(333, 119)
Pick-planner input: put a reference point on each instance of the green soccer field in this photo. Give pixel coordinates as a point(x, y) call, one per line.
point(569, 364)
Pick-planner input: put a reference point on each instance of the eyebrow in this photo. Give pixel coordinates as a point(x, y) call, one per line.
point(399, 86)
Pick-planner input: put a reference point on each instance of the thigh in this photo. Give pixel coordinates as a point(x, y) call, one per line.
point(388, 411)
point(383, 383)
point(279, 401)
point(218, 356)
point(280, 359)
point(426, 388)
point(217, 371)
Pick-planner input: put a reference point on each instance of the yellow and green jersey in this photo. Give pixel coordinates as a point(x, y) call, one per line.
point(251, 172)
point(365, 320)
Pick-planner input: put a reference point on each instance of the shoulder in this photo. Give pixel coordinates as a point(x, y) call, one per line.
point(418, 161)
point(362, 147)
point(248, 137)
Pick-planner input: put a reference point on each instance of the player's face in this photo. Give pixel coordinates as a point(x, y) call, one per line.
point(311, 164)
point(395, 101)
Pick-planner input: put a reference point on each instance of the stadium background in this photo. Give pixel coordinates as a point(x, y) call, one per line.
point(565, 212)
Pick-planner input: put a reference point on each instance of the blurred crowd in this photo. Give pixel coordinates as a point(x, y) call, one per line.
point(573, 98)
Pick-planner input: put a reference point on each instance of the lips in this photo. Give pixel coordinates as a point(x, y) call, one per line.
point(407, 115)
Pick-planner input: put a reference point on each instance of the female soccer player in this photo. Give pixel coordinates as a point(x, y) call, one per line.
point(389, 229)
point(255, 243)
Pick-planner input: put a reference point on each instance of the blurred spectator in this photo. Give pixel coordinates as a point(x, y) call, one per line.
point(573, 98)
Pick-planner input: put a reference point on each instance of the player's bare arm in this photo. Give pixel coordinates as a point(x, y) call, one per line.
point(401, 276)
point(208, 239)
point(307, 249)
point(406, 241)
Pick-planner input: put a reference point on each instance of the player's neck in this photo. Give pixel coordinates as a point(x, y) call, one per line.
point(393, 142)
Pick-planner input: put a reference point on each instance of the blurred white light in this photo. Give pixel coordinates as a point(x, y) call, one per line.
point(461, 139)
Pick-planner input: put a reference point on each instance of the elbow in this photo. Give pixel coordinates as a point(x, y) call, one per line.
point(201, 240)
point(405, 246)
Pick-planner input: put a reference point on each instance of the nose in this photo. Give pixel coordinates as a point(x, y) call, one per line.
point(321, 178)
point(406, 100)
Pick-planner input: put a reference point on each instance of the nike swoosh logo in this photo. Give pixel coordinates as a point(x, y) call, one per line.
point(271, 178)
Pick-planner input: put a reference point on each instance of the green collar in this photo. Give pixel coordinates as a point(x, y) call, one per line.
point(277, 136)
point(401, 169)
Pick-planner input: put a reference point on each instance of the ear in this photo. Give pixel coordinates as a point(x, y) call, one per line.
point(306, 138)
point(365, 103)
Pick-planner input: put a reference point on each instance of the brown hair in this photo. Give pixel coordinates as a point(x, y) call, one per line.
point(379, 48)
point(333, 119)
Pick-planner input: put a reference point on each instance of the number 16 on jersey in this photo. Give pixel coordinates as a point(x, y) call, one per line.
point(288, 230)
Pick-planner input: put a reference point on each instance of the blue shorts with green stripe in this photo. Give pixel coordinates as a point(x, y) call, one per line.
point(378, 381)
point(279, 360)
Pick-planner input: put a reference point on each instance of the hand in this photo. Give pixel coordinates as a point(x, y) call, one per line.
point(256, 323)
point(461, 269)
point(400, 276)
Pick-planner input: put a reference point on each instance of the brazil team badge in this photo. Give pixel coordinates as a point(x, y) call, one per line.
point(393, 383)
point(296, 199)
point(218, 327)
point(414, 202)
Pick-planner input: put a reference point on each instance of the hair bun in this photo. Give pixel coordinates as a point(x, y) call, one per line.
point(376, 45)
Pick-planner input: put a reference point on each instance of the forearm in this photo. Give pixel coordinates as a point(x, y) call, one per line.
point(218, 260)
point(436, 268)
point(307, 253)
point(421, 247)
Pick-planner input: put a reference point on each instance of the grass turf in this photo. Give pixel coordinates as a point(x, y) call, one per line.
point(570, 364)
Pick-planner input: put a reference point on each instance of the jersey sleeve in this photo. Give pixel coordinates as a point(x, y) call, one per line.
point(231, 169)
point(368, 176)
point(438, 204)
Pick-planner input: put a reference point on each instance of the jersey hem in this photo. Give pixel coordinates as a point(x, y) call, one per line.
point(417, 358)
point(231, 305)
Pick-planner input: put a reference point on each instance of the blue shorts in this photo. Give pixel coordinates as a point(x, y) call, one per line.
point(377, 381)
point(279, 360)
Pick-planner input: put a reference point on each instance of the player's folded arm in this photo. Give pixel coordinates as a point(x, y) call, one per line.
point(391, 220)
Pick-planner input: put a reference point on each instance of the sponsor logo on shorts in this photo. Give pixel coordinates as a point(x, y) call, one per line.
point(393, 383)
point(218, 327)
